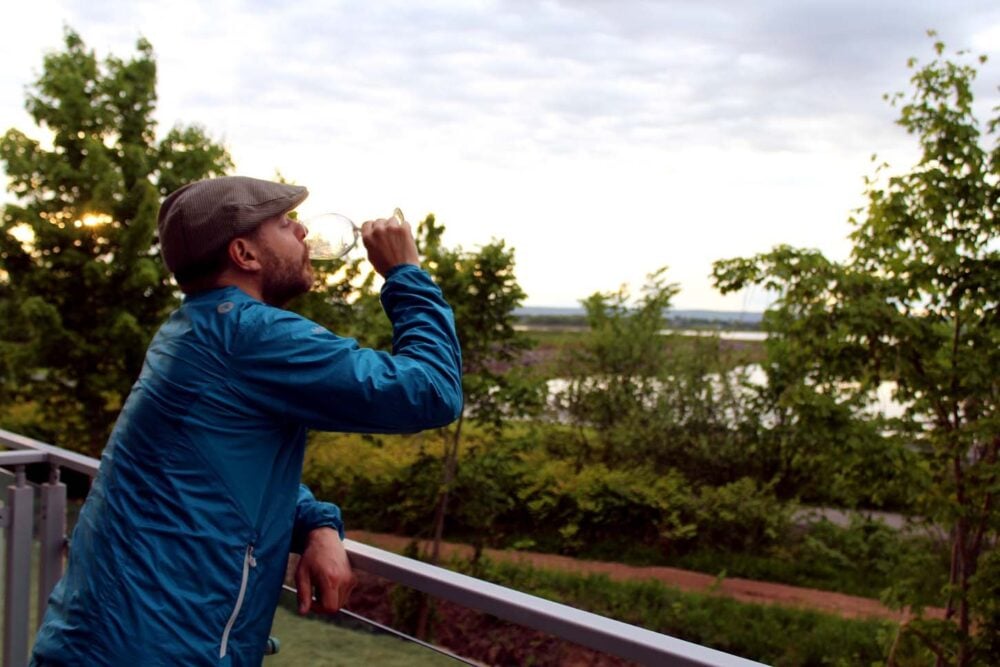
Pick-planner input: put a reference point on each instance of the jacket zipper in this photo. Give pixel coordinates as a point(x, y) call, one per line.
point(248, 562)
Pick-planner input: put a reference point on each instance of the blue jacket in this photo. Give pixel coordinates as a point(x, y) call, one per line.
point(180, 549)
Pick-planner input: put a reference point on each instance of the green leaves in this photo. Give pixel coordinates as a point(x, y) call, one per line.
point(89, 205)
point(483, 291)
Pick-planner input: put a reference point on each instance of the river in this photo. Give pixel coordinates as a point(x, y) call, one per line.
point(882, 403)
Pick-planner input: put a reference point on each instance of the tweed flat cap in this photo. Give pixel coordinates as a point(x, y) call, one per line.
point(201, 217)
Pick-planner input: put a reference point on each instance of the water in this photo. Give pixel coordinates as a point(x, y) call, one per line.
point(723, 335)
point(882, 401)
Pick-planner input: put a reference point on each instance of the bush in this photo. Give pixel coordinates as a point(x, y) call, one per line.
point(595, 503)
point(382, 483)
point(867, 558)
point(507, 491)
point(742, 515)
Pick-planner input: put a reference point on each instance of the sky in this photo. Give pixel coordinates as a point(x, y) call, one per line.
point(602, 139)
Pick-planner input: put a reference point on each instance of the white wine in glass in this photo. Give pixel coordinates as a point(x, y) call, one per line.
point(332, 235)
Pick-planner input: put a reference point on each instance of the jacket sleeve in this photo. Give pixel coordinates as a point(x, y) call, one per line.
point(293, 367)
point(311, 514)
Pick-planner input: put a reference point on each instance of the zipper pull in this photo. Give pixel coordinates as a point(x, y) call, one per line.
point(250, 556)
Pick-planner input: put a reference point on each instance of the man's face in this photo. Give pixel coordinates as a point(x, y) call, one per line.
point(284, 257)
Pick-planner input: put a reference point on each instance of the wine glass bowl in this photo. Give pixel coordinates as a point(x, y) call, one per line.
point(331, 236)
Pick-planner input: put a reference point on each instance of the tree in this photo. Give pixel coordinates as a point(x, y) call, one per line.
point(483, 292)
point(638, 396)
point(81, 287)
point(917, 303)
point(618, 371)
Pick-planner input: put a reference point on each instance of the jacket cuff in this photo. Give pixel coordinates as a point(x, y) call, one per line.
point(309, 518)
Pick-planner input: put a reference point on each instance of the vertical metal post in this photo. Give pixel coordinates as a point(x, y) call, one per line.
point(52, 535)
point(20, 510)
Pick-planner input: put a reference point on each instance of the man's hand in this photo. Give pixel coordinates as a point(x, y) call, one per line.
point(325, 568)
point(389, 243)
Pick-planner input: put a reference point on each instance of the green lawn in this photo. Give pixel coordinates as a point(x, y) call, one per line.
point(320, 643)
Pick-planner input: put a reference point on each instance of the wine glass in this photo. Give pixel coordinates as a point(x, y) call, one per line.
point(332, 235)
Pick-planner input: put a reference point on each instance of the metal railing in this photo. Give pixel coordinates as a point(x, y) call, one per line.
point(562, 621)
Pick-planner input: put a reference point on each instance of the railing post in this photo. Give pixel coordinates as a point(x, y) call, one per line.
point(19, 516)
point(52, 535)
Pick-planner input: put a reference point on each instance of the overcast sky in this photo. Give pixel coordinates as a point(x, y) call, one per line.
point(601, 138)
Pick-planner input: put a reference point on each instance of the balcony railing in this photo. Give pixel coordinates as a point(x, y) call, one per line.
point(559, 620)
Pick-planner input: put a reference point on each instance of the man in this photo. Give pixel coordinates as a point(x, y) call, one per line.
point(180, 550)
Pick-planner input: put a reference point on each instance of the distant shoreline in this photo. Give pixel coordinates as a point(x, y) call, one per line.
point(568, 318)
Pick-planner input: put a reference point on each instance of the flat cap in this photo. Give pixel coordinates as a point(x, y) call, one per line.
point(201, 217)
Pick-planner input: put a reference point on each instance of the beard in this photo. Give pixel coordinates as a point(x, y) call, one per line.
point(284, 278)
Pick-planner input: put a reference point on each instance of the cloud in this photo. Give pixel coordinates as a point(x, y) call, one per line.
point(574, 78)
point(570, 77)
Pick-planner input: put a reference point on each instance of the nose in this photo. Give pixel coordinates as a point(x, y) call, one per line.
point(302, 231)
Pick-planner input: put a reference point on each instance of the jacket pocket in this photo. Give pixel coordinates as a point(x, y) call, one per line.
point(249, 562)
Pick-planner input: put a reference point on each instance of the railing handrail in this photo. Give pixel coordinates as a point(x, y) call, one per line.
point(582, 627)
point(57, 456)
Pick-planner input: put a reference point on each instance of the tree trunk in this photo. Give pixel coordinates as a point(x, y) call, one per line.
point(448, 478)
point(450, 469)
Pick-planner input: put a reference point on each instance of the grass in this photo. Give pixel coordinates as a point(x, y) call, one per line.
point(319, 642)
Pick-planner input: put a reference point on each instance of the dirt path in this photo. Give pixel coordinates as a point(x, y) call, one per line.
point(744, 590)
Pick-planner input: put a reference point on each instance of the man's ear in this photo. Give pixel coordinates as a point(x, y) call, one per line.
point(244, 255)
